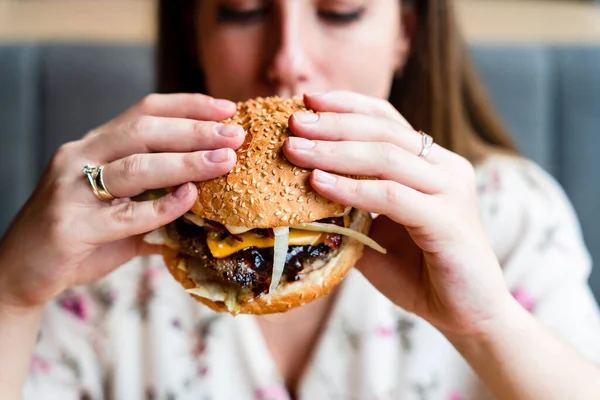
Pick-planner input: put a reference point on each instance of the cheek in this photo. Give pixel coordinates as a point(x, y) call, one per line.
point(231, 63)
point(365, 59)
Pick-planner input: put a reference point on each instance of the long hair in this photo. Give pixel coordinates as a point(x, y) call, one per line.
point(438, 90)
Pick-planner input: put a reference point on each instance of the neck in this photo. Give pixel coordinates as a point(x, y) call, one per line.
point(301, 327)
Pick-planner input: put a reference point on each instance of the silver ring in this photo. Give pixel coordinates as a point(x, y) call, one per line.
point(96, 181)
point(427, 144)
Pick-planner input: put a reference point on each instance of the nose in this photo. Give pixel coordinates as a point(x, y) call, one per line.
point(289, 70)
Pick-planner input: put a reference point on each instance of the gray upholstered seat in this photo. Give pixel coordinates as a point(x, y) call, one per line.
point(548, 96)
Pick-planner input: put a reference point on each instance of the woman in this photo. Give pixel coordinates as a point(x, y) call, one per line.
point(433, 319)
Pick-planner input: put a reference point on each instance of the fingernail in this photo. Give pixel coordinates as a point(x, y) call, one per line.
point(228, 130)
point(324, 178)
point(306, 118)
point(299, 143)
point(316, 94)
point(218, 156)
point(224, 104)
point(182, 191)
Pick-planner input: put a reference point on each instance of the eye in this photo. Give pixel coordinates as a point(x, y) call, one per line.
point(231, 15)
point(339, 18)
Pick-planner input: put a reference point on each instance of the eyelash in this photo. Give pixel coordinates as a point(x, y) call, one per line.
point(229, 15)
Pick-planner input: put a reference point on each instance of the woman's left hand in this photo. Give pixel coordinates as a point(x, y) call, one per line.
point(439, 264)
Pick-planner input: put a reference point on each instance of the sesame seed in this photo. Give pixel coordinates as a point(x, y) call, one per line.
point(261, 215)
point(304, 171)
point(264, 173)
point(287, 210)
point(272, 181)
point(267, 198)
point(234, 198)
point(311, 215)
point(235, 211)
point(278, 213)
point(273, 171)
point(269, 161)
point(252, 200)
point(244, 168)
point(237, 170)
point(300, 199)
point(245, 182)
point(250, 171)
point(283, 218)
point(250, 191)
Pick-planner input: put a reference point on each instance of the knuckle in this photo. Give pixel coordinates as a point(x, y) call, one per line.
point(199, 128)
point(124, 214)
point(354, 189)
point(139, 125)
point(160, 207)
point(150, 102)
point(190, 162)
point(386, 152)
point(64, 154)
point(392, 194)
point(132, 166)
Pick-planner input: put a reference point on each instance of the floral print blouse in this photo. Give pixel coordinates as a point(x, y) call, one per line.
point(137, 335)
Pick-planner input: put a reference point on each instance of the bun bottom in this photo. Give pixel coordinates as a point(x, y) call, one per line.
point(309, 287)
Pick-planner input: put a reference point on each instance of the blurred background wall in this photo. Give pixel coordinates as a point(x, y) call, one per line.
point(67, 66)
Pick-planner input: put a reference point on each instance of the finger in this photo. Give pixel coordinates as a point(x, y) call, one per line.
point(128, 219)
point(184, 105)
point(137, 173)
point(353, 103)
point(404, 205)
point(362, 128)
point(376, 159)
point(146, 134)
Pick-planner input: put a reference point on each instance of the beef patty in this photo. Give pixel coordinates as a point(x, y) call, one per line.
point(251, 267)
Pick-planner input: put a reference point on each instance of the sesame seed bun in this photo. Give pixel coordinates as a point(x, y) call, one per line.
point(263, 190)
point(309, 287)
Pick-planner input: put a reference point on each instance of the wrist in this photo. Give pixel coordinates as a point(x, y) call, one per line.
point(509, 318)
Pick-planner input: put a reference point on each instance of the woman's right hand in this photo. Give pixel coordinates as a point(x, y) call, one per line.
point(64, 236)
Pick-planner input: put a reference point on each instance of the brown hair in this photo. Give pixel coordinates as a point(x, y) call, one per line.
point(438, 90)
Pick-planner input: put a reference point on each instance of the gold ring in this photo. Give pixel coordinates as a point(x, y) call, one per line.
point(96, 181)
point(427, 144)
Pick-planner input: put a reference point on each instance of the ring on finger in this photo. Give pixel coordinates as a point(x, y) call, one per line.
point(427, 144)
point(96, 180)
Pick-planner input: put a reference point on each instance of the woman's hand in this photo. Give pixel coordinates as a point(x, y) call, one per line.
point(64, 236)
point(439, 264)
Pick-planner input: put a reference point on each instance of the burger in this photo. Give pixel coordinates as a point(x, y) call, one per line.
point(260, 240)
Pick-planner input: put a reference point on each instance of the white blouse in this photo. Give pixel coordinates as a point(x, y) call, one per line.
point(137, 335)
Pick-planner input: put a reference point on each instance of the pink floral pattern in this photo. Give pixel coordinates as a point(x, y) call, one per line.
point(273, 392)
point(75, 304)
point(523, 297)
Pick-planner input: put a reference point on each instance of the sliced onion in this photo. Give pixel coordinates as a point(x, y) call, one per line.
point(231, 301)
point(346, 212)
point(282, 237)
point(159, 237)
point(332, 228)
point(208, 291)
point(193, 218)
point(236, 230)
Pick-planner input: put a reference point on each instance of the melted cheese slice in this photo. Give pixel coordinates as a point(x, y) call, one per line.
point(226, 247)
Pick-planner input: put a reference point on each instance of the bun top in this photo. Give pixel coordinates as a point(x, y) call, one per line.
point(263, 190)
